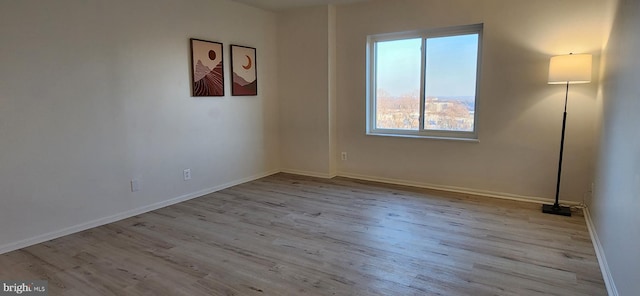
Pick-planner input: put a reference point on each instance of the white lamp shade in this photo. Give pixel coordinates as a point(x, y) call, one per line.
point(570, 68)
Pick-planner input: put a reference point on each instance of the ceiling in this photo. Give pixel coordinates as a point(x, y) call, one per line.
point(276, 5)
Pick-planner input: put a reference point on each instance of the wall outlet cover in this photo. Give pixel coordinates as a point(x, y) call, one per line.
point(135, 185)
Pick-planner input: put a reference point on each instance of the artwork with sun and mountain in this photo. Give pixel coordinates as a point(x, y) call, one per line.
point(243, 70)
point(208, 77)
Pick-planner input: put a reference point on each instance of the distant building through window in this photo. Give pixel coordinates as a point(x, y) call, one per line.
point(424, 83)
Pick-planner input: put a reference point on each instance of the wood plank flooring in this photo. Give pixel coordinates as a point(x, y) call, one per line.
point(293, 235)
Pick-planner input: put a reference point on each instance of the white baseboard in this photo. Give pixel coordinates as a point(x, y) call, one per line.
point(127, 214)
point(308, 173)
point(602, 260)
point(501, 195)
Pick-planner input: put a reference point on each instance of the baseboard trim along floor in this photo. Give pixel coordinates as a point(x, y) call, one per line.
point(123, 215)
point(602, 259)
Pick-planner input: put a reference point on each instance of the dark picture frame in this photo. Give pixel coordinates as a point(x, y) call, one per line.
point(207, 68)
point(244, 73)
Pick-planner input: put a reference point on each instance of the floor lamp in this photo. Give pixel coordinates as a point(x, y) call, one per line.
point(566, 69)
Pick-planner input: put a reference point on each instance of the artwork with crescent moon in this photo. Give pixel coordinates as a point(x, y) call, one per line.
point(243, 71)
point(207, 64)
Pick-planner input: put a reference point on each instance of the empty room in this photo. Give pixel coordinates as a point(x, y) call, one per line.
point(320, 147)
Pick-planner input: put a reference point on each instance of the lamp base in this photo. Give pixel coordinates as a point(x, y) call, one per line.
point(556, 210)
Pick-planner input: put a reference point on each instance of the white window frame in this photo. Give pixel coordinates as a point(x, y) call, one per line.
point(371, 83)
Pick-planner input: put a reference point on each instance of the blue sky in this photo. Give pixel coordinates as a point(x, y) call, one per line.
point(451, 65)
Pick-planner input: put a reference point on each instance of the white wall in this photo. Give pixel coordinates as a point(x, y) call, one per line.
point(95, 93)
point(616, 203)
point(520, 115)
point(305, 77)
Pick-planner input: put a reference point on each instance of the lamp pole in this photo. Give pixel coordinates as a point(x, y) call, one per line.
point(556, 208)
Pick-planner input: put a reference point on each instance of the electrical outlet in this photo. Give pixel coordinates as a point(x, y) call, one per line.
point(343, 156)
point(135, 185)
point(187, 174)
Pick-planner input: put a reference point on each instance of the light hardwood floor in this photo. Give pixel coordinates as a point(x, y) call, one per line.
point(294, 235)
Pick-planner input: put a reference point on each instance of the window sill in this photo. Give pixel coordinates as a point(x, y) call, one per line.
point(468, 140)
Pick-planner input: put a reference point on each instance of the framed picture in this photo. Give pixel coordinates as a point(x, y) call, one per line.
point(207, 77)
point(243, 71)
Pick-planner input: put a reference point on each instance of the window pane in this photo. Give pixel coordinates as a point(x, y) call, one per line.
point(397, 98)
point(450, 83)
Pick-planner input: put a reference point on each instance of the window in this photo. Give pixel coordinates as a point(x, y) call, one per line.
point(424, 83)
